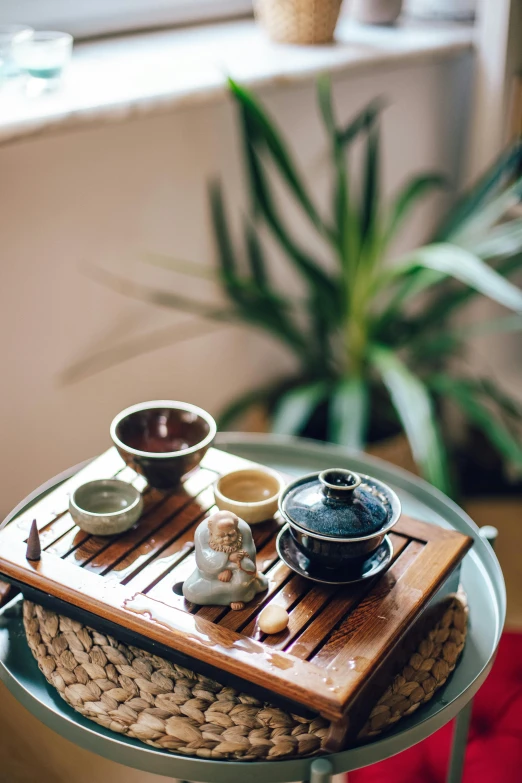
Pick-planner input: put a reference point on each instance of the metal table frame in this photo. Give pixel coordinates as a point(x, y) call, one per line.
point(19, 671)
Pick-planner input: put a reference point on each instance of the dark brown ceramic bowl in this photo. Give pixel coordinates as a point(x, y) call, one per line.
point(163, 439)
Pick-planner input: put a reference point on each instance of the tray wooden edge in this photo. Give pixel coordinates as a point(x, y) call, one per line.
point(184, 632)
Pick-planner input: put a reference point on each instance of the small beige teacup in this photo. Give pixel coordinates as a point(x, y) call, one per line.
point(251, 493)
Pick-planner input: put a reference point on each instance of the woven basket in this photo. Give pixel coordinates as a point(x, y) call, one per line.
point(299, 21)
point(140, 695)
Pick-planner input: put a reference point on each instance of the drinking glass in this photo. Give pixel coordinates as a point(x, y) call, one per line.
point(43, 57)
point(10, 35)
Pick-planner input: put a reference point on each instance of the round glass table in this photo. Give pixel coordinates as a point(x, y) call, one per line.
point(481, 579)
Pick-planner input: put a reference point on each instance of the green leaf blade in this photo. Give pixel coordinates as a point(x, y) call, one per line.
point(467, 396)
point(414, 407)
point(346, 229)
point(362, 122)
point(477, 226)
point(263, 397)
point(468, 268)
point(324, 96)
point(226, 257)
point(448, 299)
point(256, 258)
point(267, 135)
point(500, 242)
point(370, 186)
point(481, 193)
point(409, 195)
point(349, 413)
point(296, 407)
point(319, 281)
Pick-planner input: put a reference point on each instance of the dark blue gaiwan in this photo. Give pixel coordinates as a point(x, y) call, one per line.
point(337, 517)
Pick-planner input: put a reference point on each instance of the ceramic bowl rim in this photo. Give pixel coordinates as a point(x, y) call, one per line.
point(172, 405)
point(392, 496)
point(112, 514)
point(254, 504)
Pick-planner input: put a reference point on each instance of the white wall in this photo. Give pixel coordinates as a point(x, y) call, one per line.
point(105, 196)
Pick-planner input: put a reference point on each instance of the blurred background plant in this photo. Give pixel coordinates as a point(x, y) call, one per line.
point(377, 341)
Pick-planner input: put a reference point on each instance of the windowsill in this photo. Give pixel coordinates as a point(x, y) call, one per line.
point(116, 79)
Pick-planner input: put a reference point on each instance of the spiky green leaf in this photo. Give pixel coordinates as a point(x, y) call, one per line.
point(480, 194)
point(315, 277)
point(180, 266)
point(324, 95)
point(263, 397)
point(508, 405)
point(447, 341)
point(296, 406)
point(268, 135)
point(476, 227)
point(258, 305)
point(361, 122)
point(499, 242)
point(346, 228)
point(405, 288)
point(224, 244)
point(349, 413)
point(414, 407)
point(467, 397)
point(453, 261)
point(256, 257)
point(449, 298)
point(410, 194)
point(370, 198)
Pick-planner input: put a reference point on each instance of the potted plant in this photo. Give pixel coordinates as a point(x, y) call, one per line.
point(371, 362)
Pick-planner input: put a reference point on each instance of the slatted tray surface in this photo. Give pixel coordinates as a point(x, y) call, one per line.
point(336, 635)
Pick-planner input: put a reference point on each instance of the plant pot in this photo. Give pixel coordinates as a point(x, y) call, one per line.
point(376, 11)
point(298, 21)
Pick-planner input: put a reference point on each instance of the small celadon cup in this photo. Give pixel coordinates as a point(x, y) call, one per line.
point(105, 507)
point(251, 493)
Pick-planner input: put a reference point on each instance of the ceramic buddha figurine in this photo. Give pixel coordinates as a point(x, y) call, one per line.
point(225, 573)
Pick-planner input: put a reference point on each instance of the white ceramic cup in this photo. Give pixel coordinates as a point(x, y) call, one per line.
point(250, 493)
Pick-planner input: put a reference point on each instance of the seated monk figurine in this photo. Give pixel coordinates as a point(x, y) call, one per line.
point(226, 573)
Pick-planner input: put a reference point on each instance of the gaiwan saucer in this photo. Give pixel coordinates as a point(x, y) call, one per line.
point(292, 556)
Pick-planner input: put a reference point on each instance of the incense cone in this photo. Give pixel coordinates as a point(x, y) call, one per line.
point(34, 549)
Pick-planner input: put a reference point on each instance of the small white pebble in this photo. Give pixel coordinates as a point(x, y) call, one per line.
point(273, 619)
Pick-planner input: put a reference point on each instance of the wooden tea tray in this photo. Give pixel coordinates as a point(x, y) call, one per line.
point(339, 643)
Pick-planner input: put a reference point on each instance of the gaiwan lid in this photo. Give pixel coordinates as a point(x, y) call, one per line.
point(340, 504)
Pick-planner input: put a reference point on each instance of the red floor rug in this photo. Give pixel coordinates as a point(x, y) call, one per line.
point(494, 752)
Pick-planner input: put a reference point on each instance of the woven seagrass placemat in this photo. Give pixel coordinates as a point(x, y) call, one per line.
point(166, 706)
